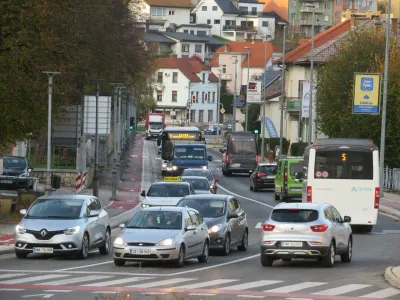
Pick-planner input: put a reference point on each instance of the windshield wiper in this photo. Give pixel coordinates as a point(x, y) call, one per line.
point(133, 227)
point(56, 217)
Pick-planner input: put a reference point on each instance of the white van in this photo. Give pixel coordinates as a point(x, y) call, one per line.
point(345, 173)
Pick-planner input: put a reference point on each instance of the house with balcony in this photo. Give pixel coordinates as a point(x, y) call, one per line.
point(185, 90)
point(236, 20)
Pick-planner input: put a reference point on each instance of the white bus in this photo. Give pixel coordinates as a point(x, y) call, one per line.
point(345, 173)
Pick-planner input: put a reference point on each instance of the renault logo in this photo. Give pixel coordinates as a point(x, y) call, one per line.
point(292, 227)
point(43, 232)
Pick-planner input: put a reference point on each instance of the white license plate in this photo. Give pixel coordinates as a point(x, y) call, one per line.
point(296, 190)
point(42, 250)
point(264, 177)
point(140, 251)
point(235, 165)
point(292, 244)
point(6, 181)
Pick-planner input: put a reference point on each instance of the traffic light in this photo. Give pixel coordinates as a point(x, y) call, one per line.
point(140, 117)
point(132, 123)
point(255, 131)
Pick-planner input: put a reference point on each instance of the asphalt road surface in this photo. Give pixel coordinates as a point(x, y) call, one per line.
point(237, 276)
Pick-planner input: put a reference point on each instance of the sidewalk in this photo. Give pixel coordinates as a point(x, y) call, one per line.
point(390, 204)
point(119, 211)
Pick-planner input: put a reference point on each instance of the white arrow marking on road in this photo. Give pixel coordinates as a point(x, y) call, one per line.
point(258, 226)
point(39, 295)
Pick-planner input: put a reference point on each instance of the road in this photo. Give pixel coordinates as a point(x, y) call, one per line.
point(238, 276)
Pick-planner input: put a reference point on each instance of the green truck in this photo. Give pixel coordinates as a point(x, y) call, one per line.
point(286, 187)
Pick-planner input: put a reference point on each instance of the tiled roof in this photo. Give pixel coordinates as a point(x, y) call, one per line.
point(257, 53)
point(319, 40)
point(277, 49)
point(158, 37)
point(183, 36)
point(195, 25)
point(302, 41)
point(170, 3)
point(227, 6)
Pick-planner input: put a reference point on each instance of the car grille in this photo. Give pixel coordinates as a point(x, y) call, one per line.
point(49, 234)
point(141, 244)
point(54, 246)
point(127, 255)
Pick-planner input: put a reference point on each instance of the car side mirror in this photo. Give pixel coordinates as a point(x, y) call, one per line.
point(190, 228)
point(143, 193)
point(233, 215)
point(22, 212)
point(346, 219)
point(209, 158)
point(122, 226)
point(94, 213)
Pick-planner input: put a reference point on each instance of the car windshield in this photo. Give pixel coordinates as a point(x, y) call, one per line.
point(168, 190)
point(207, 208)
point(198, 183)
point(269, 170)
point(294, 215)
point(201, 173)
point(55, 209)
point(190, 153)
point(242, 147)
point(156, 220)
point(14, 163)
point(155, 125)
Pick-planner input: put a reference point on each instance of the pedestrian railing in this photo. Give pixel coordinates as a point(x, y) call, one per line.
point(391, 179)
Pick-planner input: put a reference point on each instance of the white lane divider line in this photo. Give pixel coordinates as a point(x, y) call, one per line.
point(237, 195)
point(30, 279)
point(8, 275)
point(342, 289)
point(201, 294)
point(12, 290)
point(74, 280)
point(162, 282)
point(250, 285)
point(259, 225)
point(206, 283)
point(385, 293)
point(295, 287)
point(118, 281)
point(251, 296)
point(58, 291)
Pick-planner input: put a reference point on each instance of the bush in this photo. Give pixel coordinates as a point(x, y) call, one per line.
point(297, 149)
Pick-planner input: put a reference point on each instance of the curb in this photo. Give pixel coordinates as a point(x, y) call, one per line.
point(391, 277)
point(389, 211)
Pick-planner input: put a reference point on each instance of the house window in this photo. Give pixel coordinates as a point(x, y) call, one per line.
point(254, 11)
point(171, 12)
point(208, 21)
point(159, 96)
point(217, 21)
point(175, 77)
point(264, 23)
point(197, 97)
point(192, 97)
point(204, 8)
point(185, 48)
point(209, 97)
point(370, 3)
point(192, 115)
point(213, 98)
point(186, 31)
point(160, 77)
point(201, 116)
point(201, 33)
point(197, 48)
point(174, 96)
point(202, 97)
point(224, 69)
point(210, 116)
point(337, 14)
point(326, 5)
point(157, 11)
point(326, 18)
point(205, 97)
point(294, 3)
point(204, 78)
point(338, 2)
point(192, 32)
point(214, 8)
point(243, 9)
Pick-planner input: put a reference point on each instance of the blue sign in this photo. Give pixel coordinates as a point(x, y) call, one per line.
point(270, 128)
point(366, 93)
point(367, 84)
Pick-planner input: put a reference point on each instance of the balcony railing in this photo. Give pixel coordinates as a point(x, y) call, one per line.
point(238, 28)
point(309, 22)
point(226, 76)
point(318, 10)
point(208, 55)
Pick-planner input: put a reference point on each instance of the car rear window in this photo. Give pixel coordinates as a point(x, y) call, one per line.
point(294, 215)
point(269, 170)
point(296, 168)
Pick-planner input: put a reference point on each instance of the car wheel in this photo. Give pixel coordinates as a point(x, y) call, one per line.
point(245, 242)
point(229, 173)
point(105, 249)
point(346, 257)
point(287, 259)
point(255, 189)
point(227, 245)
point(266, 261)
point(181, 257)
point(85, 247)
point(329, 260)
point(204, 258)
point(119, 262)
point(21, 255)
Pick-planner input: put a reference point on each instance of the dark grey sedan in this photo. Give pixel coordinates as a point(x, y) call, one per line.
point(225, 218)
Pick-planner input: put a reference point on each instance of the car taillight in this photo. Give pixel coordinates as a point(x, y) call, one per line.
point(377, 198)
point(319, 228)
point(227, 158)
point(261, 174)
point(285, 175)
point(309, 194)
point(257, 158)
point(268, 227)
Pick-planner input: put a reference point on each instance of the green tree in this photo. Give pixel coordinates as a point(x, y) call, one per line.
point(254, 123)
point(362, 51)
point(226, 100)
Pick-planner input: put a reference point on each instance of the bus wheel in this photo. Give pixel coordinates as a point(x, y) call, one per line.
point(367, 228)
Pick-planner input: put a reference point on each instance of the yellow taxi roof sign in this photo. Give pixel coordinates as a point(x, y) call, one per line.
point(172, 178)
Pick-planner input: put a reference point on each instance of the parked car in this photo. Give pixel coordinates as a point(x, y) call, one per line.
point(306, 230)
point(286, 186)
point(263, 177)
point(203, 173)
point(166, 193)
point(16, 173)
point(200, 184)
point(163, 234)
point(225, 218)
point(63, 224)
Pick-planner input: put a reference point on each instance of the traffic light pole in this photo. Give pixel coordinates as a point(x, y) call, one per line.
point(114, 170)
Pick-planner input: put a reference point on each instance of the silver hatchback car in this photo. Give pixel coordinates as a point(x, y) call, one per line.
point(306, 230)
point(63, 224)
point(163, 234)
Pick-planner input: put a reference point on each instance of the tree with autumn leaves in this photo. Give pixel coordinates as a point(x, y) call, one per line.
point(80, 39)
point(362, 51)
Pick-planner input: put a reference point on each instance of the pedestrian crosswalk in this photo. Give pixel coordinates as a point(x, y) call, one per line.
point(73, 281)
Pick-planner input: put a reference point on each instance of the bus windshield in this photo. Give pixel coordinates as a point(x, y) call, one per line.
point(190, 153)
point(343, 165)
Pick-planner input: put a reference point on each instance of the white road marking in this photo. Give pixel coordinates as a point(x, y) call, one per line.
point(87, 272)
point(86, 266)
point(201, 294)
point(12, 290)
point(295, 287)
point(250, 285)
point(154, 293)
point(104, 292)
point(118, 281)
point(7, 256)
point(385, 293)
point(250, 296)
point(390, 216)
point(58, 291)
point(298, 299)
point(391, 231)
point(258, 226)
point(39, 295)
point(73, 280)
point(30, 279)
point(162, 282)
point(342, 289)
point(10, 275)
point(206, 283)
point(237, 195)
point(217, 160)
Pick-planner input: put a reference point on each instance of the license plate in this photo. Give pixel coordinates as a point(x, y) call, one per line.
point(42, 250)
point(296, 190)
point(264, 177)
point(292, 244)
point(140, 251)
point(235, 165)
point(6, 181)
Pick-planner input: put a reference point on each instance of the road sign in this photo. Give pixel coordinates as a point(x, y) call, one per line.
point(222, 110)
point(172, 178)
point(366, 93)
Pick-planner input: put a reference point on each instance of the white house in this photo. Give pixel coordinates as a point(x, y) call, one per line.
point(235, 20)
point(186, 90)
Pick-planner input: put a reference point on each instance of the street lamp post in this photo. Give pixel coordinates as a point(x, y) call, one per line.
point(384, 101)
point(283, 88)
point(234, 96)
point(248, 78)
point(263, 103)
point(310, 109)
point(49, 116)
point(114, 170)
point(218, 101)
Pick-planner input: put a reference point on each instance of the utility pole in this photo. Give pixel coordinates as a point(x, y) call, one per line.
point(218, 101)
point(310, 114)
point(96, 142)
point(283, 90)
point(49, 116)
point(119, 135)
point(114, 169)
point(263, 102)
point(234, 96)
point(247, 88)
point(384, 102)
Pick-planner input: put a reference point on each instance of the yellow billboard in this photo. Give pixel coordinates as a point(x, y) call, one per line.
point(367, 87)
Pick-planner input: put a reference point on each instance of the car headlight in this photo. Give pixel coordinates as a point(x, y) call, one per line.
point(72, 230)
point(166, 242)
point(204, 167)
point(174, 168)
point(119, 241)
point(164, 165)
point(215, 228)
point(145, 205)
point(20, 229)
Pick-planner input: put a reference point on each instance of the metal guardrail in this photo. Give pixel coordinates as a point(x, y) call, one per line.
point(391, 179)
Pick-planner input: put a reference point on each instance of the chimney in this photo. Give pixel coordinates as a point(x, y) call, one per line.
point(394, 26)
point(226, 47)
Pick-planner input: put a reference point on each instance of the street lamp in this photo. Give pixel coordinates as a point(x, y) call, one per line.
point(114, 170)
point(310, 109)
point(248, 78)
point(218, 101)
point(234, 96)
point(283, 87)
